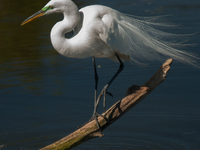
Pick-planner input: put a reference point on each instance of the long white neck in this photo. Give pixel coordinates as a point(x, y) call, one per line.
point(70, 21)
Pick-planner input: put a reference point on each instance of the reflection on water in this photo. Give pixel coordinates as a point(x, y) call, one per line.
point(45, 96)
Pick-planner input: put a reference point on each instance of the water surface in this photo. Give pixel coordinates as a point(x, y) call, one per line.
point(44, 96)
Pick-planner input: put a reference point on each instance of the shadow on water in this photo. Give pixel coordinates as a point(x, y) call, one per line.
point(45, 96)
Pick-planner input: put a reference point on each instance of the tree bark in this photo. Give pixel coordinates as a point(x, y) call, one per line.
point(134, 95)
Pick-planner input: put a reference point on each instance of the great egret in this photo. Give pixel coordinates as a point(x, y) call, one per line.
point(100, 31)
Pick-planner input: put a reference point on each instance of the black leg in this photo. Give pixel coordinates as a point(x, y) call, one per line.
point(121, 67)
point(104, 90)
point(96, 81)
point(95, 115)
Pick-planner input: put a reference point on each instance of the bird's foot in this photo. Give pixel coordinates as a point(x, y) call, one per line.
point(95, 114)
point(110, 94)
point(94, 117)
point(103, 93)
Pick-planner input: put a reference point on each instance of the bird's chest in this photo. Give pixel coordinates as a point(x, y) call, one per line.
point(87, 44)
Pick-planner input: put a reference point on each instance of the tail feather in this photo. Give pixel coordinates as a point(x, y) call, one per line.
point(145, 38)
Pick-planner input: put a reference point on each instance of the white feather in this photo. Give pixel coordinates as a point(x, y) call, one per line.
point(142, 39)
point(100, 31)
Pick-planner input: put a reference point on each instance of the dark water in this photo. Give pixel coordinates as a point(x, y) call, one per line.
point(45, 96)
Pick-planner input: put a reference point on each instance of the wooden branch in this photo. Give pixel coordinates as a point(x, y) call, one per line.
point(134, 95)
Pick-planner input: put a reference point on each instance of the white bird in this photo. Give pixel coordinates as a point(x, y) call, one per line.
point(100, 31)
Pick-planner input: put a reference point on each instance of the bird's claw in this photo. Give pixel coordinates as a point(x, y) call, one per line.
point(110, 94)
point(95, 117)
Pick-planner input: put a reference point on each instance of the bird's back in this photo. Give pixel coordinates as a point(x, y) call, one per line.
point(100, 22)
point(132, 37)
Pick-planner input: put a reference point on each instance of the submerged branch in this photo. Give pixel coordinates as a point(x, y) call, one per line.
point(134, 95)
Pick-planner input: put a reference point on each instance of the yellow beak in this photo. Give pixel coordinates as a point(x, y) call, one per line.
point(34, 16)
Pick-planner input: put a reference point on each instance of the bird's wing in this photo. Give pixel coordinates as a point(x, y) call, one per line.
point(141, 38)
point(110, 36)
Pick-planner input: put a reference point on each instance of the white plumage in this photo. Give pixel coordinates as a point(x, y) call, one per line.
point(100, 31)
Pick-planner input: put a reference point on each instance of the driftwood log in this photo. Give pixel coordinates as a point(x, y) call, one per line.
point(134, 95)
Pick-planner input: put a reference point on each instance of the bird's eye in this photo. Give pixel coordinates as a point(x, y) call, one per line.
point(47, 8)
point(51, 7)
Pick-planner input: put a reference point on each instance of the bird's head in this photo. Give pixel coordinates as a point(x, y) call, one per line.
point(53, 6)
